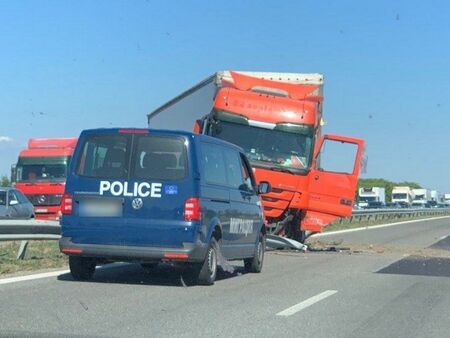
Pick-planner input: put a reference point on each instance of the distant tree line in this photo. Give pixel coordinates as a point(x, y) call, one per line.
point(382, 183)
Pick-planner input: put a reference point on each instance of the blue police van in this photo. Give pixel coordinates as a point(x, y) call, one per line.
point(143, 195)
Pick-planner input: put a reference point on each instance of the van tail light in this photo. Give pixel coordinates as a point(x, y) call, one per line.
point(192, 209)
point(71, 251)
point(66, 204)
point(176, 256)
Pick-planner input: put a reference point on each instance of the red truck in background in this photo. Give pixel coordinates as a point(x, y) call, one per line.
point(40, 173)
point(277, 119)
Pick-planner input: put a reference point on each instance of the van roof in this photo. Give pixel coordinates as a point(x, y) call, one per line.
point(161, 132)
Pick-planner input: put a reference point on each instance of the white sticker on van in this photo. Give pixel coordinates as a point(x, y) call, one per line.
point(143, 189)
point(241, 226)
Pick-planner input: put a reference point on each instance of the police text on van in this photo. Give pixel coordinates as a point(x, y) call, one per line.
point(143, 189)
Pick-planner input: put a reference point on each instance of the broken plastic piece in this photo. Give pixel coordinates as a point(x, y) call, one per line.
point(277, 242)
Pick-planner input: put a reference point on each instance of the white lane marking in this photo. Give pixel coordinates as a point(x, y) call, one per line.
point(376, 226)
point(32, 277)
point(53, 274)
point(306, 303)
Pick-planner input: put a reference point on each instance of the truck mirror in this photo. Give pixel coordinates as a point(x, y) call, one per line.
point(264, 187)
point(13, 202)
point(198, 127)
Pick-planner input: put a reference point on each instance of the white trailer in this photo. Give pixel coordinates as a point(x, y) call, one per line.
point(437, 198)
point(403, 196)
point(446, 200)
point(422, 198)
point(371, 196)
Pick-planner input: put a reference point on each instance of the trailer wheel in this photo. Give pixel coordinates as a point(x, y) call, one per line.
point(81, 268)
point(255, 263)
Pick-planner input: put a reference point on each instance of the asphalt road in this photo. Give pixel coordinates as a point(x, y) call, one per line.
point(387, 282)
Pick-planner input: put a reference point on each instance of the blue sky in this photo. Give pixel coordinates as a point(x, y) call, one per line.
point(67, 66)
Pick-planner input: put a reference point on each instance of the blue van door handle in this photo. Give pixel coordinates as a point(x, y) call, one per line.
point(220, 200)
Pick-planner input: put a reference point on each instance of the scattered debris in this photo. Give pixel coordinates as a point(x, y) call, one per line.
point(277, 242)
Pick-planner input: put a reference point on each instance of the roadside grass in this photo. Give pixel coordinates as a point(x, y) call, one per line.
point(345, 224)
point(40, 255)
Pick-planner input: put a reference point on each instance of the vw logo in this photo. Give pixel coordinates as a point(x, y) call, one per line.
point(137, 203)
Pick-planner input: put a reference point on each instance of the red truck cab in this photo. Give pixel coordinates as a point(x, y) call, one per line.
point(277, 119)
point(40, 173)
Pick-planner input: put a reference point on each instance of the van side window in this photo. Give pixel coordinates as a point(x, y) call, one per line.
point(213, 164)
point(233, 166)
point(159, 157)
point(249, 181)
point(103, 156)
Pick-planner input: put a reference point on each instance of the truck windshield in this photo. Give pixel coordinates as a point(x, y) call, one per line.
point(280, 148)
point(31, 169)
point(399, 196)
point(367, 199)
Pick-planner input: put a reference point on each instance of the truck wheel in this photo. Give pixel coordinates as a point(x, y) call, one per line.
point(255, 263)
point(208, 270)
point(81, 268)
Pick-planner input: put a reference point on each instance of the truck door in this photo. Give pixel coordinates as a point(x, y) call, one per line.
point(334, 175)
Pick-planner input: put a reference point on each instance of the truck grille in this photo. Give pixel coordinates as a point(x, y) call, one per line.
point(276, 202)
point(45, 199)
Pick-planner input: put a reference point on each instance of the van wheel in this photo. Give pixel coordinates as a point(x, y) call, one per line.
point(255, 263)
point(208, 270)
point(81, 268)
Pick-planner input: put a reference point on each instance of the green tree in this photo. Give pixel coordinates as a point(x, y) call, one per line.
point(4, 181)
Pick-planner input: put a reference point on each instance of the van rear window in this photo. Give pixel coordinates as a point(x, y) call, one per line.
point(152, 157)
point(104, 156)
point(159, 157)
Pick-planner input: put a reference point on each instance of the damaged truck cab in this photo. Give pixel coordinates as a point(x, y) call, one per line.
point(277, 119)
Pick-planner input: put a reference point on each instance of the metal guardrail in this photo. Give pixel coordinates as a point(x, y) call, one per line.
point(380, 214)
point(30, 229)
point(26, 230)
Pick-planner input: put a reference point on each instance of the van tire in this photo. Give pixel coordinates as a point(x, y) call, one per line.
point(207, 271)
point(255, 263)
point(81, 268)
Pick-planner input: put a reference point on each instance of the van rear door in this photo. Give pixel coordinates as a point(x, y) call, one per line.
point(160, 170)
point(131, 187)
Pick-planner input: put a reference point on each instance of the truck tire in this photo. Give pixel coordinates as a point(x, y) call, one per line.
point(207, 271)
point(255, 263)
point(81, 268)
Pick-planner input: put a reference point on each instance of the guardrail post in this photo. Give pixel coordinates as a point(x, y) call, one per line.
point(22, 250)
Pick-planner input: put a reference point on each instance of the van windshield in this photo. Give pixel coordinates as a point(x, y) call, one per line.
point(152, 157)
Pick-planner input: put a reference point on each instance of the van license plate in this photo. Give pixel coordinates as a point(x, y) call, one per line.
point(99, 208)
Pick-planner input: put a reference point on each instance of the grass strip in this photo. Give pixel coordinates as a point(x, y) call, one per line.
point(40, 255)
